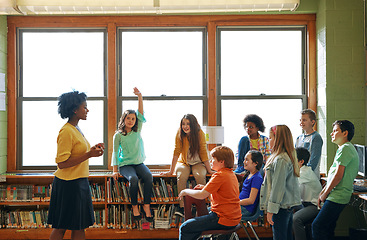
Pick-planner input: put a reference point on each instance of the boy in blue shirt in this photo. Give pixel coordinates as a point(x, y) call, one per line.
point(310, 139)
point(338, 190)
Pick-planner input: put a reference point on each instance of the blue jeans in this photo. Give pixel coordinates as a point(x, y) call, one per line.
point(282, 228)
point(245, 212)
point(324, 224)
point(192, 228)
point(132, 173)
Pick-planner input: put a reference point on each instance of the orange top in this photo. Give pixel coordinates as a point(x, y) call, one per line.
point(225, 202)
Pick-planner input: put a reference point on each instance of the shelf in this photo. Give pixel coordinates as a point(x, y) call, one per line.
point(102, 233)
point(91, 233)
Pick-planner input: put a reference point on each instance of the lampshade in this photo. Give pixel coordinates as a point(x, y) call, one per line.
point(214, 134)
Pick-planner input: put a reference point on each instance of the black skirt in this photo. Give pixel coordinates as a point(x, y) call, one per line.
point(71, 204)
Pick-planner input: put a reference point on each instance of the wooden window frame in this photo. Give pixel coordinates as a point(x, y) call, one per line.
point(111, 23)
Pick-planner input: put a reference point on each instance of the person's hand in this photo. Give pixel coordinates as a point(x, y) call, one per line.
point(96, 151)
point(170, 172)
point(269, 218)
point(322, 198)
point(116, 175)
point(137, 92)
point(100, 146)
point(182, 194)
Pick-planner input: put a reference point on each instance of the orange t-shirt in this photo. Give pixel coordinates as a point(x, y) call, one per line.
point(225, 202)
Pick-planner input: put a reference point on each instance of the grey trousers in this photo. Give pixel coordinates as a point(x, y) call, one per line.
point(301, 218)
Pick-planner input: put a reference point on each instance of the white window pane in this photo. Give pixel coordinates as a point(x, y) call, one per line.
point(40, 140)
point(58, 62)
point(162, 63)
point(273, 112)
point(163, 121)
point(261, 62)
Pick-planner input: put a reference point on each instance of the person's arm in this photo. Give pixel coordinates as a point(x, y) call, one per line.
point(173, 166)
point(278, 183)
point(208, 167)
point(203, 152)
point(198, 194)
point(315, 150)
point(176, 154)
point(115, 173)
point(251, 199)
point(330, 186)
point(95, 151)
point(140, 99)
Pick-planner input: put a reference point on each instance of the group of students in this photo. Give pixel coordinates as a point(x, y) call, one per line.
point(276, 181)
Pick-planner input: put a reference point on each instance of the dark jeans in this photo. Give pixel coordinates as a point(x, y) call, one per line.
point(324, 224)
point(132, 173)
point(192, 228)
point(282, 228)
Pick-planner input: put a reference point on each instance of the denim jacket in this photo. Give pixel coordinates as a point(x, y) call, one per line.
point(280, 188)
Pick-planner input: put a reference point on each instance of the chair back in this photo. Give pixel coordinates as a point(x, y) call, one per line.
point(201, 208)
point(254, 216)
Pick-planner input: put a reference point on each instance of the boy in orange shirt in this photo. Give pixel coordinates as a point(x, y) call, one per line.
point(223, 191)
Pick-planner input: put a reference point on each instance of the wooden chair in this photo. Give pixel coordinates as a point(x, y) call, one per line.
point(201, 209)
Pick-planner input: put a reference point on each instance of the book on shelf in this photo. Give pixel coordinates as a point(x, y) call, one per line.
point(23, 219)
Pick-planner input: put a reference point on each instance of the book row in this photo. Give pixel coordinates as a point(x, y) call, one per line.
point(27, 193)
point(163, 190)
point(38, 219)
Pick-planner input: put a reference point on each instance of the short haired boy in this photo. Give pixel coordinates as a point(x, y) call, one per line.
point(223, 191)
point(339, 188)
point(310, 189)
point(310, 139)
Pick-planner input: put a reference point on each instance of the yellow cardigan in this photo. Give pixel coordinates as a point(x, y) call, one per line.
point(182, 147)
point(70, 143)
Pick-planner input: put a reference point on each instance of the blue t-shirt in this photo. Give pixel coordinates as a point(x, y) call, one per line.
point(254, 182)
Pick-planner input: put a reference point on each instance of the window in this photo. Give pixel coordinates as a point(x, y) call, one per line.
point(261, 72)
point(167, 65)
point(53, 62)
point(204, 65)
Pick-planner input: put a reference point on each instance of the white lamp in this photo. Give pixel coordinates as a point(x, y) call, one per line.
point(214, 134)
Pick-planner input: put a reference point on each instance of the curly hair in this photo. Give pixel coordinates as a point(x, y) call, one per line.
point(69, 102)
point(121, 125)
point(256, 120)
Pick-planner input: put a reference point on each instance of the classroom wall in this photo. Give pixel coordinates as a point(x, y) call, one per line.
point(341, 65)
point(341, 69)
point(3, 114)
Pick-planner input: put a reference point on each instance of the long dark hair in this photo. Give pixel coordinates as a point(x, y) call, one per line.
point(194, 133)
point(121, 125)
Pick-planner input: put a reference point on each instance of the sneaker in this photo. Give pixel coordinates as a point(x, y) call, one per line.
point(239, 170)
point(180, 212)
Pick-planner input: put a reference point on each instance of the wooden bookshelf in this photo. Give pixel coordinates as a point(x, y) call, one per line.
point(91, 233)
